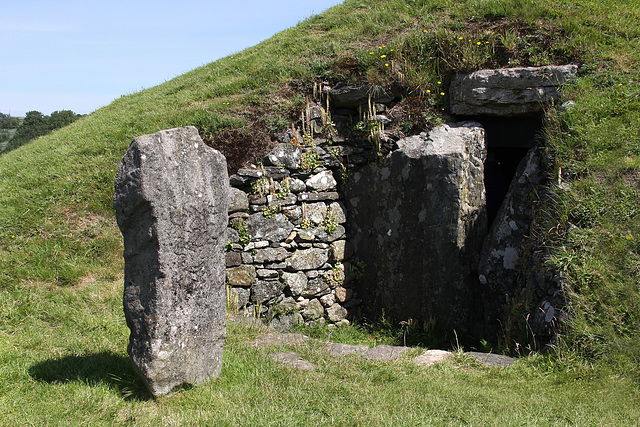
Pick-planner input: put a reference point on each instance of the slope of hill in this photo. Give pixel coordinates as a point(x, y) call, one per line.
point(57, 227)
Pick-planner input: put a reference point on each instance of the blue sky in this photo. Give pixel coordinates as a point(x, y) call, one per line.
point(81, 55)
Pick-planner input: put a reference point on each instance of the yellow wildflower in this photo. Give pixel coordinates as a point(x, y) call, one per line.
point(386, 64)
point(442, 93)
point(383, 56)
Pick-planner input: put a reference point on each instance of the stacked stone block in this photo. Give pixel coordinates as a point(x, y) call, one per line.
point(287, 247)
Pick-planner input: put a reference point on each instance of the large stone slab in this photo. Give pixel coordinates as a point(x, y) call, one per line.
point(385, 352)
point(292, 359)
point(431, 357)
point(417, 221)
point(500, 265)
point(491, 359)
point(171, 202)
point(508, 91)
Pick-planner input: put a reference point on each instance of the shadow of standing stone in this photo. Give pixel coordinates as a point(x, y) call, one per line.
point(171, 198)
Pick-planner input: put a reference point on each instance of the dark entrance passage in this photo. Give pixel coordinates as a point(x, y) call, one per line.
point(508, 140)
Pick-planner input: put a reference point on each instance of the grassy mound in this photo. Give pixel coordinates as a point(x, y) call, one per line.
point(60, 250)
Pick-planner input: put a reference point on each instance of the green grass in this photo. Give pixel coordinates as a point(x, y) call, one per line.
point(62, 333)
point(63, 361)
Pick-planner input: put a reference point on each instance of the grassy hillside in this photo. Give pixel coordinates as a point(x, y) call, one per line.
point(60, 250)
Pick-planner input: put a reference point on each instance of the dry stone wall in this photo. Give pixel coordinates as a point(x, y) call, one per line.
point(287, 246)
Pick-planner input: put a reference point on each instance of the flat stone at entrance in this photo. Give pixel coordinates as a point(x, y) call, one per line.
point(385, 352)
point(338, 349)
point(278, 339)
point(491, 359)
point(431, 357)
point(293, 360)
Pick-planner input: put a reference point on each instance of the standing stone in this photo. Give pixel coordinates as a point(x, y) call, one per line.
point(417, 221)
point(171, 202)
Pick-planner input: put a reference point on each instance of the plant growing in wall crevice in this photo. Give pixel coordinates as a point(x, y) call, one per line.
point(242, 228)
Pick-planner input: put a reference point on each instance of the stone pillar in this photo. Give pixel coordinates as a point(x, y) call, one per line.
point(417, 221)
point(171, 197)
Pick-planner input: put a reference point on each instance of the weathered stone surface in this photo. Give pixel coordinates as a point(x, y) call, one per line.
point(238, 200)
point(328, 300)
point(508, 91)
point(286, 155)
point(336, 313)
point(286, 322)
point(337, 349)
point(313, 311)
point(417, 221)
point(278, 339)
point(242, 276)
point(297, 185)
point(264, 290)
point(322, 181)
point(385, 352)
point(323, 236)
point(500, 258)
point(289, 199)
point(273, 229)
point(293, 213)
point(352, 96)
point(337, 252)
point(317, 197)
point(265, 273)
point(171, 202)
point(315, 288)
point(308, 259)
point(431, 357)
point(242, 294)
point(270, 255)
point(338, 211)
point(343, 294)
point(293, 360)
point(316, 212)
point(491, 359)
point(233, 259)
point(296, 282)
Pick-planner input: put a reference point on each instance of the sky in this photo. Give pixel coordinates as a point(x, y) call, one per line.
point(80, 55)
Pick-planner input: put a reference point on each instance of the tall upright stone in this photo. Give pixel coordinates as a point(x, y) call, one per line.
point(417, 223)
point(171, 201)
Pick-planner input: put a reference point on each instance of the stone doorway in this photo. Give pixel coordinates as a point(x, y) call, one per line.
point(508, 139)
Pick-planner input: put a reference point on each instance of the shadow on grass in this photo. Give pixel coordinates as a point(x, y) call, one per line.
point(107, 368)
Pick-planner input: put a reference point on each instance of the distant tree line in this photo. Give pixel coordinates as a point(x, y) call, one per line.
point(8, 122)
point(36, 124)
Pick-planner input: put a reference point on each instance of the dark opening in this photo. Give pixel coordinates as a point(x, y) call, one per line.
point(508, 140)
